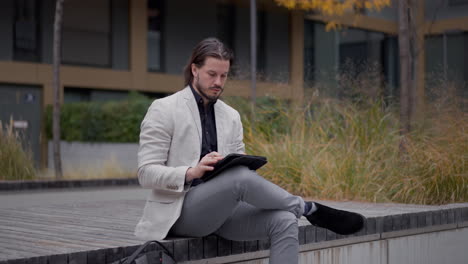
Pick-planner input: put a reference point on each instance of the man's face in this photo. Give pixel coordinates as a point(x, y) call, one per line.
point(209, 79)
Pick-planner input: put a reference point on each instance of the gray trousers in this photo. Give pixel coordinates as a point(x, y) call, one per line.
point(240, 205)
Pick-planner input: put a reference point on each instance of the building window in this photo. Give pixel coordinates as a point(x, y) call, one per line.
point(86, 33)
point(155, 22)
point(457, 3)
point(447, 60)
point(351, 52)
point(26, 33)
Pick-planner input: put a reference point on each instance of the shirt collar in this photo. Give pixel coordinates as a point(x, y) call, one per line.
point(198, 97)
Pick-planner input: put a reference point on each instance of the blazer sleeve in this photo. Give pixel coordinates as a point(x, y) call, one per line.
point(239, 135)
point(155, 140)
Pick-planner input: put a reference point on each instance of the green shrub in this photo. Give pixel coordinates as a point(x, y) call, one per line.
point(15, 163)
point(117, 121)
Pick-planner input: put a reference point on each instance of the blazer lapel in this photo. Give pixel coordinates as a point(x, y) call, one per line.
point(192, 106)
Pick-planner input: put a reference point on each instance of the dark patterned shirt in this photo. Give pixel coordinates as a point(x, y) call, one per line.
point(208, 124)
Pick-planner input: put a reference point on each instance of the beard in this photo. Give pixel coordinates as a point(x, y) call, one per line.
point(204, 91)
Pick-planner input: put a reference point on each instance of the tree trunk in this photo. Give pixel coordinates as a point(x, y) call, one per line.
point(57, 87)
point(405, 66)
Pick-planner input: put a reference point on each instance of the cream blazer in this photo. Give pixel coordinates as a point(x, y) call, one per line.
point(170, 143)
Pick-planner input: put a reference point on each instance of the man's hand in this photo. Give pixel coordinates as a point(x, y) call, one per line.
point(205, 164)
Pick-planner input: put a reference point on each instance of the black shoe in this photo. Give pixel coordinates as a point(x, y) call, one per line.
point(338, 221)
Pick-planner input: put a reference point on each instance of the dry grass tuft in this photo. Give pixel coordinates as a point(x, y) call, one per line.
point(15, 163)
point(343, 150)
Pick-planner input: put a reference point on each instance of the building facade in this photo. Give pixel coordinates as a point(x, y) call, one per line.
point(111, 47)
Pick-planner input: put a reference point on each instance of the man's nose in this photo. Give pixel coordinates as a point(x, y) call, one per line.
point(218, 81)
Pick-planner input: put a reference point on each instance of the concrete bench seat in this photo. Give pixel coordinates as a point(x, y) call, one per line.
point(102, 232)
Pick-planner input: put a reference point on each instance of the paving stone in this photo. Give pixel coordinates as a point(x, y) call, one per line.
point(361, 232)
point(421, 219)
point(429, 218)
point(251, 246)
point(338, 236)
point(451, 216)
point(436, 217)
point(114, 254)
point(310, 234)
point(388, 223)
point(18, 261)
point(224, 247)
point(413, 220)
point(181, 250)
point(458, 215)
point(58, 259)
point(36, 260)
point(96, 256)
point(210, 246)
point(320, 234)
point(302, 235)
point(397, 222)
point(371, 227)
point(405, 221)
point(464, 214)
point(443, 217)
point(77, 258)
point(237, 247)
point(195, 248)
point(330, 235)
point(379, 224)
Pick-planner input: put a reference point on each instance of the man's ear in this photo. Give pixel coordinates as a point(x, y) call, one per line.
point(194, 69)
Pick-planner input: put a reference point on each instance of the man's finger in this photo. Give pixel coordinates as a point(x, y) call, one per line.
point(209, 162)
point(214, 154)
point(207, 168)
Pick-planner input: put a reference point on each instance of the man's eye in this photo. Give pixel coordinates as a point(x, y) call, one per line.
point(212, 74)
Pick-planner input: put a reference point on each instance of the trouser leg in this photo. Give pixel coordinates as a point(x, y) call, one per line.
point(241, 205)
point(281, 227)
point(208, 205)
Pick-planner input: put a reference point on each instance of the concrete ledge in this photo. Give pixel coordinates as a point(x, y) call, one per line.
point(214, 249)
point(417, 231)
point(232, 258)
point(52, 184)
point(339, 242)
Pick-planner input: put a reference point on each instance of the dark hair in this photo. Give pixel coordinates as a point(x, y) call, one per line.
point(210, 47)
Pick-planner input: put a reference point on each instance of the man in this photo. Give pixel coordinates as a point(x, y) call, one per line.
point(182, 137)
